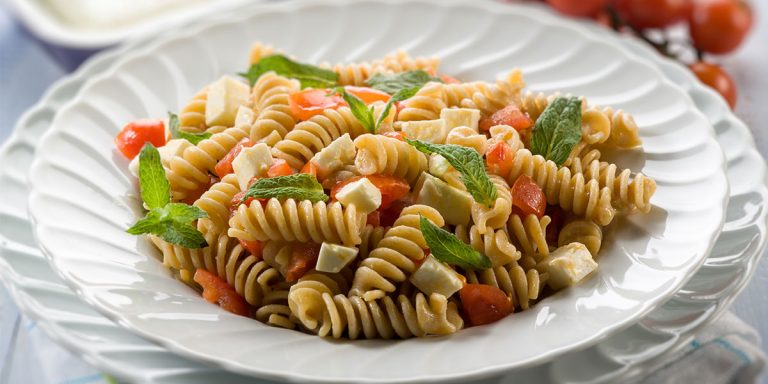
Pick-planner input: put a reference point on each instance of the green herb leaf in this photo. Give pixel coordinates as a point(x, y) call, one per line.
point(310, 76)
point(557, 130)
point(362, 112)
point(447, 248)
point(183, 234)
point(301, 186)
point(469, 164)
point(403, 94)
point(177, 133)
point(173, 223)
point(184, 213)
point(394, 83)
point(155, 189)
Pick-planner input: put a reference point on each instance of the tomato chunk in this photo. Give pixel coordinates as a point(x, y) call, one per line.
point(253, 246)
point(388, 216)
point(309, 168)
point(217, 291)
point(312, 102)
point(195, 194)
point(279, 167)
point(303, 258)
point(224, 166)
point(374, 219)
point(558, 220)
point(527, 197)
point(510, 115)
point(368, 95)
point(392, 188)
point(499, 158)
point(134, 135)
point(395, 135)
point(484, 304)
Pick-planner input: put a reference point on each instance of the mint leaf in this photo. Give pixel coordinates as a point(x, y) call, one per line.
point(310, 76)
point(177, 133)
point(184, 213)
point(183, 234)
point(155, 189)
point(301, 186)
point(173, 223)
point(362, 113)
point(403, 94)
point(447, 248)
point(469, 164)
point(394, 83)
point(557, 130)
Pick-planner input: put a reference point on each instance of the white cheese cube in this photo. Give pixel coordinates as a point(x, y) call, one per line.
point(225, 96)
point(461, 117)
point(433, 131)
point(170, 150)
point(436, 277)
point(245, 116)
point(334, 257)
point(133, 166)
point(568, 265)
point(251, 162)
point(453, 204)
point(441, 168)
point(335, 156)
point(362, 194)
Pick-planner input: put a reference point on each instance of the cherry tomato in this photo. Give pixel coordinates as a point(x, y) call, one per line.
point(578, 8)
point(279, 167)
point(374, 219)
point(368, 95)
point(388, 216)
point(510, 115)
point(644, 14)
point(134, 135)
point(528, 198)
point(312, 102)
point(303, 258)
point(253, 246)
point(217, 291)
point(499, 158)
point(719, 26)
point(484, 304)
point(392, 188)
point(395, 135)
point(238, 199)
point(224, 166)
point(309, 168)
point(718, 79)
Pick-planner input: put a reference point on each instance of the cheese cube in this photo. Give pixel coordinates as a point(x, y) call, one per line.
point(362, 194)
point(335, 156)
point(436, 277)
point(568, 265)
point(170, 150)
point(440, 167)
point(245, 116)
point(334, 257)
point(453, 204)
point(433, 131)
point(225, 96)
point(251, 162)
point(461, 117)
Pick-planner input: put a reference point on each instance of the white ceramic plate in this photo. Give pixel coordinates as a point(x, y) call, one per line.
point(137, 290)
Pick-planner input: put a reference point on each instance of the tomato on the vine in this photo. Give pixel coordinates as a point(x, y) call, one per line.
point(644, 14)
point(719, 26)
point(578, 8)
point(715, 77)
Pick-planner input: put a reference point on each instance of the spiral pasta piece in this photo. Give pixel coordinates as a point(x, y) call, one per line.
point(300, 221)
point(495, 245)
point(216, 202)
point(393, 259)
point(488, 98)
point(271, 99)
point(506, 134)
point(426, 104)
point(523, 287)
point(377, 154)
point(624, 130)
point(582, 231)
point(629, 193)
point(358, 73)
point(581, 155)
point(486, 218)
point(468, 137)
point(371, 238)
point(530, 233)
point(260, 51)
point(192, 115)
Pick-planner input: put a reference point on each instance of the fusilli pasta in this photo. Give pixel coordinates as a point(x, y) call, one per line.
point(377, 154)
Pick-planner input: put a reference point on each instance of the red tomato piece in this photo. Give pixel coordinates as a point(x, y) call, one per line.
point(374, 219)
point(368, 95)
point(484, 304)
point(309, 168)
point(528, 197)
point(312, 102)
point(217, 291)
point(578, 8)
point(395, 135)
point(195, 195)
point(718, 79)
point(134, 135)
point(499, 158)
point(279, 167)
point(224, 166)
point(558, 219)
point(719, 26)
point(253, 246)
point(392, 188)
point(388, 216)
point(510, 115)
point(303, 258)
point(645, 14)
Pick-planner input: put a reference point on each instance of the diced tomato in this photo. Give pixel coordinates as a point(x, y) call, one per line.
point(134, 135)
point(388, 216)
point(238, 199)
point(392, 188)
point(368, 95)
point(558, 219)
point(484, 304)
point(193, 196)
point(303, 258)
point(448, 79)
point(510, 115)
point(312, 102)
point(395, 135)
point(279, 167)
point(309, 168)
point(527, 197)
point(499, 158)
point(374, 218)
point(253, 246)
point(217, 291)
point(224, 166)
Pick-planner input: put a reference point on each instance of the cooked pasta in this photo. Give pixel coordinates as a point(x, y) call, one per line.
point(629, 192)
point(216, 202)
point(521, 286)
point(494, 244)
point(377, 154)
point(358, 73)
point(192, 115)
point(582, 231)
point(468, 137)
point(487, 218)
point(271, 98)
point(530, 234)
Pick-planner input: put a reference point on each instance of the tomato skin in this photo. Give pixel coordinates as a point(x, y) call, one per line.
point(645, 14)
point(578, 8)
point(374, 219)
point(195, 195)
point(510, 115)
point(253, 246)
point(558, 219)
point(279, 167)
point(303, 258)
point(312, 102)
point(224, 166)
point(484, 304)
point(717, 78)
point(499, 158)
point(395, 135)
point(388, 215)
point(719, 26)
point(134, 135)
point(392, 188)
point(528, 198)
point(217, 291)
point(367, 94)
point(309, 168)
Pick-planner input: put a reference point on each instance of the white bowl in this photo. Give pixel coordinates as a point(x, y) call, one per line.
point(83, 197)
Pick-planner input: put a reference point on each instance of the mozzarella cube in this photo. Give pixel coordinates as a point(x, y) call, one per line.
point(461, 117)
point(225, 96)
point(251, 162)
point(453, 204)
point(245, 116)
point(441, 168)
point(362, 194)
point(334, 257)
point(433, 131)
point(335, 156)
point(133, 166)
point(568, 265)
point(170, 150)
point(436, 277)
